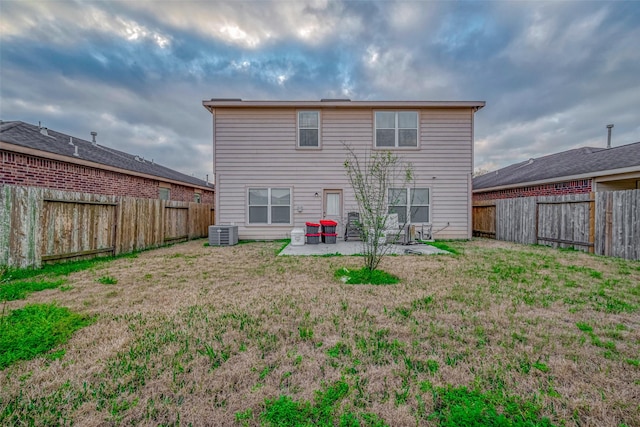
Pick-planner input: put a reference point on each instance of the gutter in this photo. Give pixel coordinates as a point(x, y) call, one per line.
point(237, 103)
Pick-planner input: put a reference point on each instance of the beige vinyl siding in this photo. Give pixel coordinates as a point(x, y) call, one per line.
point(256, 147)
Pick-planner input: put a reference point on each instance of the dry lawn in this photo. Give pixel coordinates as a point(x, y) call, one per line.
point(207, 335)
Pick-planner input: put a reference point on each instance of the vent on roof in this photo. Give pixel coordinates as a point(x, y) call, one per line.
point(223, 235)
point(93, 137)
point(75, 152)
point(335, 100)
point(70, 140)
point(609, 127)
point(44, 131)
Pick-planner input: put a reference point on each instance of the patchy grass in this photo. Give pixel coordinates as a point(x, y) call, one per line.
point(500, 334)
point(35, 329)
point(60, 269)
point(108, 280)
point(15, 290)
point(364, 276)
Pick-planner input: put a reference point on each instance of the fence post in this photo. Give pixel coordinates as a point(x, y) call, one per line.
point(608, 224)
point(537, 220)
point(592, 222)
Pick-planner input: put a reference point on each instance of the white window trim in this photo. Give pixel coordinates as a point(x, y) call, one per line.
point(298, 146)
point(396, 128)
point(269, 205)
point(409, 205)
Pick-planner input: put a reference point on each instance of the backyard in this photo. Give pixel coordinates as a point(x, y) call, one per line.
point(494, 334)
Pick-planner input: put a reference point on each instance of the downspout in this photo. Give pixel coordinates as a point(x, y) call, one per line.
point(216, 193)
point(470, 178)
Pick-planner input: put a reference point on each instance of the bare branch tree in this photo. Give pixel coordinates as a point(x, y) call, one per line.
point(371, 176)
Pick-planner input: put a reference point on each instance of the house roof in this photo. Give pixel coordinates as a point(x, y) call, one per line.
point(29, 136)
point(338, 103)
point(579, 163)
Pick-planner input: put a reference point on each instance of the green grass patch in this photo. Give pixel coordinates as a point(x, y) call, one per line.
point(107, 280)
point(35, 329)
point(16, 290)
point(324, 411)
point(443, 246)
point(458, 406)
point(364, 276)
point(61, 269)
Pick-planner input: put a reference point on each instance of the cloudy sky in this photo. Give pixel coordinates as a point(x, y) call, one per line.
point(553, 74)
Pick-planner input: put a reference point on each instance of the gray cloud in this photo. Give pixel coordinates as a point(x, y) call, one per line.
point(553, 73)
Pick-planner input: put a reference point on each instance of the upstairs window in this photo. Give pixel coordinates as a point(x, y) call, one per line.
point(269, 206)
point(396, 129)
point(308, 129)
point(412, 201)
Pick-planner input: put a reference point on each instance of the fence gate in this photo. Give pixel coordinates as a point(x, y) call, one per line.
point(484, 220)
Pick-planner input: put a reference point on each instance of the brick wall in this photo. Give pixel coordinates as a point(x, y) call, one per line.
point(556, 189)
point(20, 169)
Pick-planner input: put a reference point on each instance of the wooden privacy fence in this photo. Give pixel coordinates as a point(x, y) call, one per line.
point(39, 225)
point(484, 219)
point(606, 223)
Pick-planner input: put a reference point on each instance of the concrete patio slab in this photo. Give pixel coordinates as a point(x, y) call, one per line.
point(356, 248)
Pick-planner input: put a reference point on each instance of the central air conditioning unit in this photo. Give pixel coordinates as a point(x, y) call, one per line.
point(223, 235)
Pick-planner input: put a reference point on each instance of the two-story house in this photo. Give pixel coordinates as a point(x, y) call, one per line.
point(279, 164)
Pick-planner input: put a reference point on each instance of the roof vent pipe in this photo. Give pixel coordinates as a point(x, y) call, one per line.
point(75, 152)
point(93, 137)
point(44, 131)
point(70, 140)
point(609, 127)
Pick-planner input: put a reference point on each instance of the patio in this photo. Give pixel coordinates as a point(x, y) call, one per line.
point(356, 248)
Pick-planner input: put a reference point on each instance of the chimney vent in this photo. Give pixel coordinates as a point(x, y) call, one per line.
point(609, 127)
point(75, 152)
point(44, 131)
point(70, 140)
point(93, 137)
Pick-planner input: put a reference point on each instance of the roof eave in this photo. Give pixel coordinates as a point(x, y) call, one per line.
point(211, 104)
point(7, 146)
point(588, 175)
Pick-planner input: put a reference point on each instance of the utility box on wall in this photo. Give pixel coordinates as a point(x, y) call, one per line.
point(223, 235)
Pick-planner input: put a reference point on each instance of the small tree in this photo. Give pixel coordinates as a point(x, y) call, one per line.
point(371, 177)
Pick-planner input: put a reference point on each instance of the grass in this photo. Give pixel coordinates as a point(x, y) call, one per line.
point(500, 334)
point(17, 284)
point(60, 269)
point(35, 329)
point(108, 280)
point(445, 246)
point(16, 290)
point(365, 276)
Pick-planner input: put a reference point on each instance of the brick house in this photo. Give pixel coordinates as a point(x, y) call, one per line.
point(577, 171)
point(31, 155)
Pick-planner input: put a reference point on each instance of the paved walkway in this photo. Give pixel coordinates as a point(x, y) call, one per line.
point(355, 248)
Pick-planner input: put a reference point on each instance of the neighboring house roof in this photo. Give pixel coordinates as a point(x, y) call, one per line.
point(339, 103)
point(580, 163)
point(30, 136)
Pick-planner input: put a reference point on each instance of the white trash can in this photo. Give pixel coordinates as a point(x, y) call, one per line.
point(297, 237)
